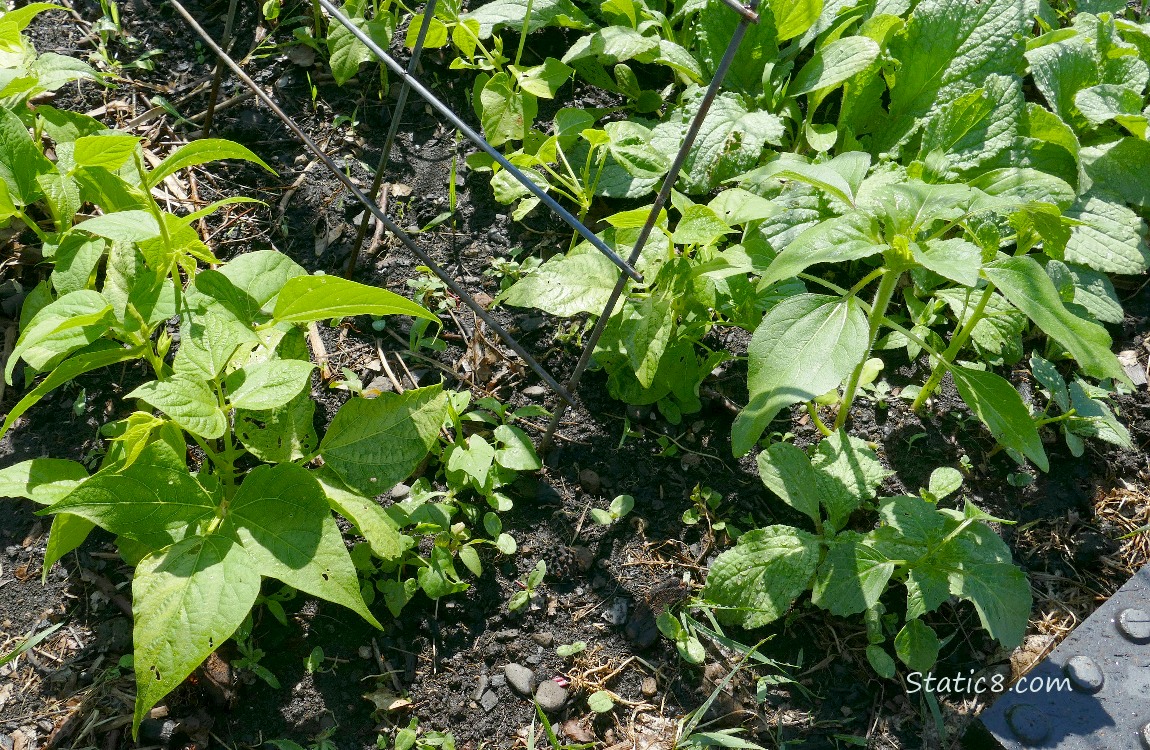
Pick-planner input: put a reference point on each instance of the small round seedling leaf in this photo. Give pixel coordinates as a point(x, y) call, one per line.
point(622, 505)
point(506, 544)
point(601, 517)
point(570, 649)
point(492, 523)
point(470, 558)
point(944, 481)
point(600, 702)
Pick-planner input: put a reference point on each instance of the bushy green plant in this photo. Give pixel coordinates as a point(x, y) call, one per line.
point(934, 553)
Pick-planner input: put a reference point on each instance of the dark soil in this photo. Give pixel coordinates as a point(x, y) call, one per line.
point(74, 691)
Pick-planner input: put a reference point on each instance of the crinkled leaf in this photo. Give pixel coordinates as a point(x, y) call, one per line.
point(976, 126)
point(188, 401)
point(834, 63)
point(852, 576)
point(1110, 238)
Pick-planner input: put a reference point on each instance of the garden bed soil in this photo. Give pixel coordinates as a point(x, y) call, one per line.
point(444, 663)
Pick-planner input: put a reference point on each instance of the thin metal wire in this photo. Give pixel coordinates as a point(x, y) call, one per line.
point(392, 131)
point(660, 200)
point(370, 205)
point(219, 73)
point(479, 141)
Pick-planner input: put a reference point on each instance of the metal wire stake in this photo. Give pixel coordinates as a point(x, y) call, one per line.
point(664, 193)
point(392, 131)
point(479, 141)
point(379, 214)
point(219, 74)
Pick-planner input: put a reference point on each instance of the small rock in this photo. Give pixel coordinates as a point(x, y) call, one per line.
point(617, 615)
point(1129, 361)
point(534, 660)
point(489, 701)
point(364, 652)
point(551, 696)
point(509, 634)
point(520, 678)
point(535, 392)
point(589, 481)
point(5, 742)
point(584, 557)
point(544, 639)
point(400, 491)
point(477, 693)
point(545, 494)
point(649, 687)
point(498, 680)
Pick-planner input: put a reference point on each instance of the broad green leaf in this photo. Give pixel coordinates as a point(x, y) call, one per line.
point(20, 159)
point(841, 177)
point(123, 226)
point(61, 193)
point(506, 114)
point(610, 45)
point(997, 404)
point(53, 70)
point(368, 517)
point(545, 80)
point(1095, 292)
point(948, 48)
point(736, 206)
point(68, 532)
point(280, 515)
point(845, 238)
point(439, 579)
point(75, 261)
point(373, 444)
point(848, 473)
point(250, 283)
point(269, 384)
point(42, 480)
point(793, 17)
point(1047, 374)
point(851, 577)
point(470, 462)
point(110, 150)
point(1093, 418)
point(1023, 185)
point(645, 334)
point(1001, 595)
point(805, 346)
point(1024, 282)
point(188, 401)
point(917, 645)
point(200, 152)
point(833, 64)
point(515, 451)
point(286, 433)
point(1118, 168)
point(1107, 102)
point(713, 28)
point(187, 600)
point(956, 259)
point(154, 495)
point(700, 225)
point(630, 146)
point(501, 14)
point(305, 299)
point(786, 470)
point(1060, 70)
point(59, 328)
point(944, 481)
point(917, 521)
point(1110, 238)
point(757, 581)
point(880, 661)
point(927, 588)
point(997, 337)
point(977, 126)
point(208, 342)
point(566, 285)
point(106, 353)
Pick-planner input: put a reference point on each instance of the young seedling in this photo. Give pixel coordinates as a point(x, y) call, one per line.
point(620, 507)
point(529, 584)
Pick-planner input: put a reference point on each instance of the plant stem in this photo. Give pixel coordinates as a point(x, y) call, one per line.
point(956, 345)
point(881, 300)
point(523, 31)
point(818, 422)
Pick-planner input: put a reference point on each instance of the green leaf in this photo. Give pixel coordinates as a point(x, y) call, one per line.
point(566, 285)
point(622, 505)
point(786, 470)
point(1110, 238)
point(472, 461)
point(470, 558)
point(880, 661)
point(757, 581)
point(833, 64)
point(200, 152)
point(152, 496)
point(247, 285)
point(1118, 168)
point(997, 404)
point(373, 444)
point(1093, 418)
point(805, 346)
point(42, 480)
point(269, 384)
point(108, 150)
point(545, 80)
point(281, 516)
point(793, 17)
point(852, 576)
point(917, 645)
point(20, 159)
point(1001, 595)
point(570, 649)
point(515, 452)
point(1108, 101)
point(68, 532)
point(76, 260)
point(188, 599)
point(845, 238)
point(600, 702)
point(955, 259)
point(948, 47)
point(106, 354)
point(630, 146)
point(917, 521)
point(123, 226)
point(1024, 282)
point(610, 45)
point(59, 328)
point(188, 401)
point(501, 14)
point(439, 579)
point(700, 225)
point(285, 433)
point(305, 299)
point(976, 127)
point(944, 481)
point(506, 114)
point(369, 518)
point(848, 473)
point(208, 342)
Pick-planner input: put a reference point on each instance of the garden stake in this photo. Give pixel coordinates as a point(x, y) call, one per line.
point(371, 206)
point(217, 77)
point(664, 193)
point(479, 141)
point(392, 130)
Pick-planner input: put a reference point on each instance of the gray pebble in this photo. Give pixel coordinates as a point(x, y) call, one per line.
point(477, 693)
point(400, 491)
point(551, 696)
point(535, 392)
point(520, 678)
point(589, 480)
point(543, 639)
point(498, 680)
point(489, 700)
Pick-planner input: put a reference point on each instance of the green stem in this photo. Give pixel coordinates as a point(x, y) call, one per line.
point(818, 422)
point(33, 226)
point(955, 347)
point(877, 311)
point(523, 31)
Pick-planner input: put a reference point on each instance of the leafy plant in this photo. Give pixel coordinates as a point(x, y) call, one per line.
point(620, 507)
point(528, 584)
point(933, 552)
